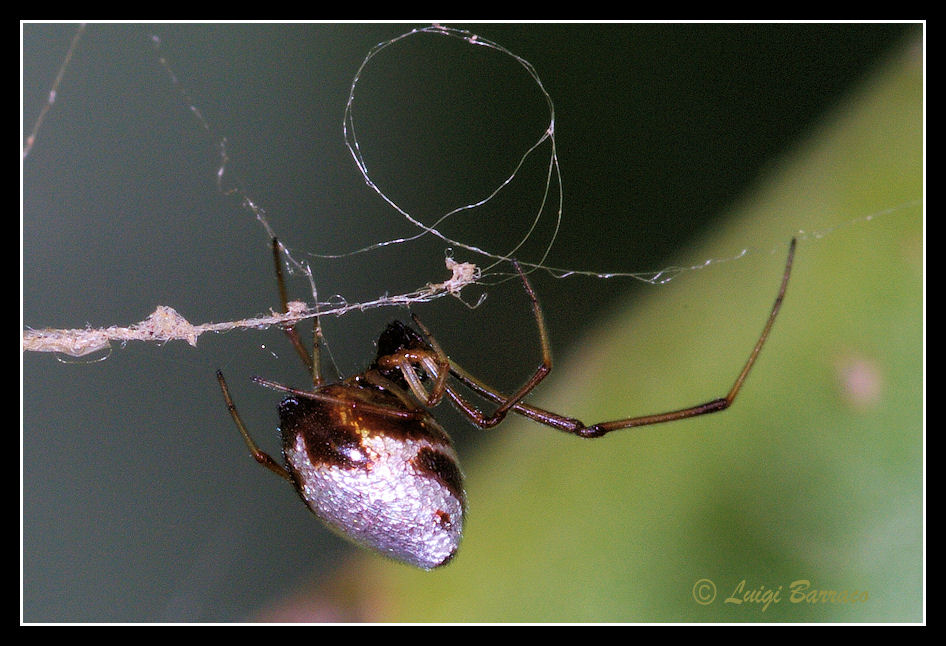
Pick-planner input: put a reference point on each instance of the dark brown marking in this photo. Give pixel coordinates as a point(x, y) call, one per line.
point(333, 430)
point(326, 442)
point(442, 468)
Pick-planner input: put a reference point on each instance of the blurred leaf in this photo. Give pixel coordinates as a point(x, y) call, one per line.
point(815, 474)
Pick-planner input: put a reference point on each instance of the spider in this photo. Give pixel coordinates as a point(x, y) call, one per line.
point(368, 458)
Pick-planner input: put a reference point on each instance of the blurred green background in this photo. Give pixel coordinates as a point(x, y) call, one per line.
point(815, 474)
point(677, 143)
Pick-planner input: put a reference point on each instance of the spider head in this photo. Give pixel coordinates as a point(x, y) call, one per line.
point(398, 337)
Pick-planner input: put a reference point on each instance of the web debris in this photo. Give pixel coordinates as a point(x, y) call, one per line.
point(166, 324)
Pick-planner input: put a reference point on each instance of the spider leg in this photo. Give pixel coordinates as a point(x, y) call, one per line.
point(258, 455)
point(506, 403)
point(576, 427)
point(436, 364)
point(310, 360)
point(410, 410)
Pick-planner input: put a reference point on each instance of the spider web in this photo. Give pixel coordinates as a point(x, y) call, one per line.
point(481, 264)
point(541, 153)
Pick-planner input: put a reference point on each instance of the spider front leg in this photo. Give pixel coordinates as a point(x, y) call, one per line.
point(576, 427)
point(505, 403)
